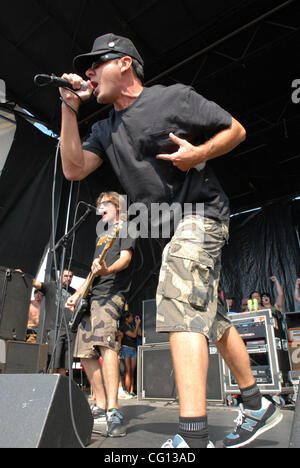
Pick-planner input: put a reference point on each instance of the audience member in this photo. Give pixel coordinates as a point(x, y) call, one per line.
point(130, 328)
point(245, 305)
point(230, 302)
point(266, 298)
point(122, 394)
point(256, 295)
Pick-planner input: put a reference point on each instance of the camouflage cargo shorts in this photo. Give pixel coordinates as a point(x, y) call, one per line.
point(99, 328)
point(187, 294)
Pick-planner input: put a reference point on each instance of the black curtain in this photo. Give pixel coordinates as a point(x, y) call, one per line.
point(262, 244)
point(25, 198)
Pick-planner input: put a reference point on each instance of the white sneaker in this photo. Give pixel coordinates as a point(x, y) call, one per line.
point(123, 395)
point(179, 442)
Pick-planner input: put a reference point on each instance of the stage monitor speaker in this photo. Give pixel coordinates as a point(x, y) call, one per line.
point(36, 413)
point(149, 334)
point(19, 357)
point(15, 293)
point(156, 379)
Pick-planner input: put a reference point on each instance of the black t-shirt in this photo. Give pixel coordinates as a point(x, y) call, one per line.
point(128, 340)
point(49, 289)
point(117, 283)
point(130, 140)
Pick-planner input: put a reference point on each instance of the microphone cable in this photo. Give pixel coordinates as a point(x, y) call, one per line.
point(68, 331)
point(50, 79)
point(66, 103)
point(63, 317)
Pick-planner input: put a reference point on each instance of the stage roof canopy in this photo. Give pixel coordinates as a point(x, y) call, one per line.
point(243, 54)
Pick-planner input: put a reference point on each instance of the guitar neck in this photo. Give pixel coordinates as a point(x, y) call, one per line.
point(89, 281)
point(90, 278)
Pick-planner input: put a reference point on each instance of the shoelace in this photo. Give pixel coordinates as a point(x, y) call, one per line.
point(168, 444)
point(96, 411)
point(115, 417)
point(240, 417)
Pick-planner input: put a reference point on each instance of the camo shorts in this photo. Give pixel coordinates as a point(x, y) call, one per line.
point(99, 328)
point(187, 294)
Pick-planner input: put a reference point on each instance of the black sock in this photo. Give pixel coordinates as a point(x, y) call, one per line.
point(194, 431)
point(251, 397)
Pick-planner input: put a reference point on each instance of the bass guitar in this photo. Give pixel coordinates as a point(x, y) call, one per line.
point(82, 305)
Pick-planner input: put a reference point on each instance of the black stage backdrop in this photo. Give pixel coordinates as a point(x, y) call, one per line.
point(262, 243)
point(26, 186)
point(25, 198)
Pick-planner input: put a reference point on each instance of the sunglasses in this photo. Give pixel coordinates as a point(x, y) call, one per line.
point(105, 202)
point(105, 58)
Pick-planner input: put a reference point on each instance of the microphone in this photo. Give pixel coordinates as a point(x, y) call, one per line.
point(91, 207)
point(55, 82)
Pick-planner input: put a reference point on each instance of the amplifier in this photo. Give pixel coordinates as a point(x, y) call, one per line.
point(18, 357)
point(294, 353)
point(265, 351)
point(262, 374)
point(252, 329)
point(294, 334)
point(155, 374)
point(15, 293)
point(256, 346)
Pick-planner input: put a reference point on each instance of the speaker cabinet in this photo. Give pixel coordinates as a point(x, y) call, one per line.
point(156, 379)
point(19, 357)
point(15, 293)
point(36, 412)
point(149, 334)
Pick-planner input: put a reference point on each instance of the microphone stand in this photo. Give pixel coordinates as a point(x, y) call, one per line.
point(65, 238)
point(64, 242)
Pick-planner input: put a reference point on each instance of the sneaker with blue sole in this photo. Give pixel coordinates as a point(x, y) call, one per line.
point(250, 424)
point(178, 442)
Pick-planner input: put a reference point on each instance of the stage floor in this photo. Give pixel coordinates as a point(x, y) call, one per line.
point(150, 423)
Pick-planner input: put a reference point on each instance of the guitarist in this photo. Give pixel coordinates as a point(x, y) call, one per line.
point(97, 331)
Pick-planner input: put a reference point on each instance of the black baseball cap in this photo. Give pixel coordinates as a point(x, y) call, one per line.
point(102, 48)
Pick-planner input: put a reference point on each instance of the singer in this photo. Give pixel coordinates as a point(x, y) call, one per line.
point(160, 141)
